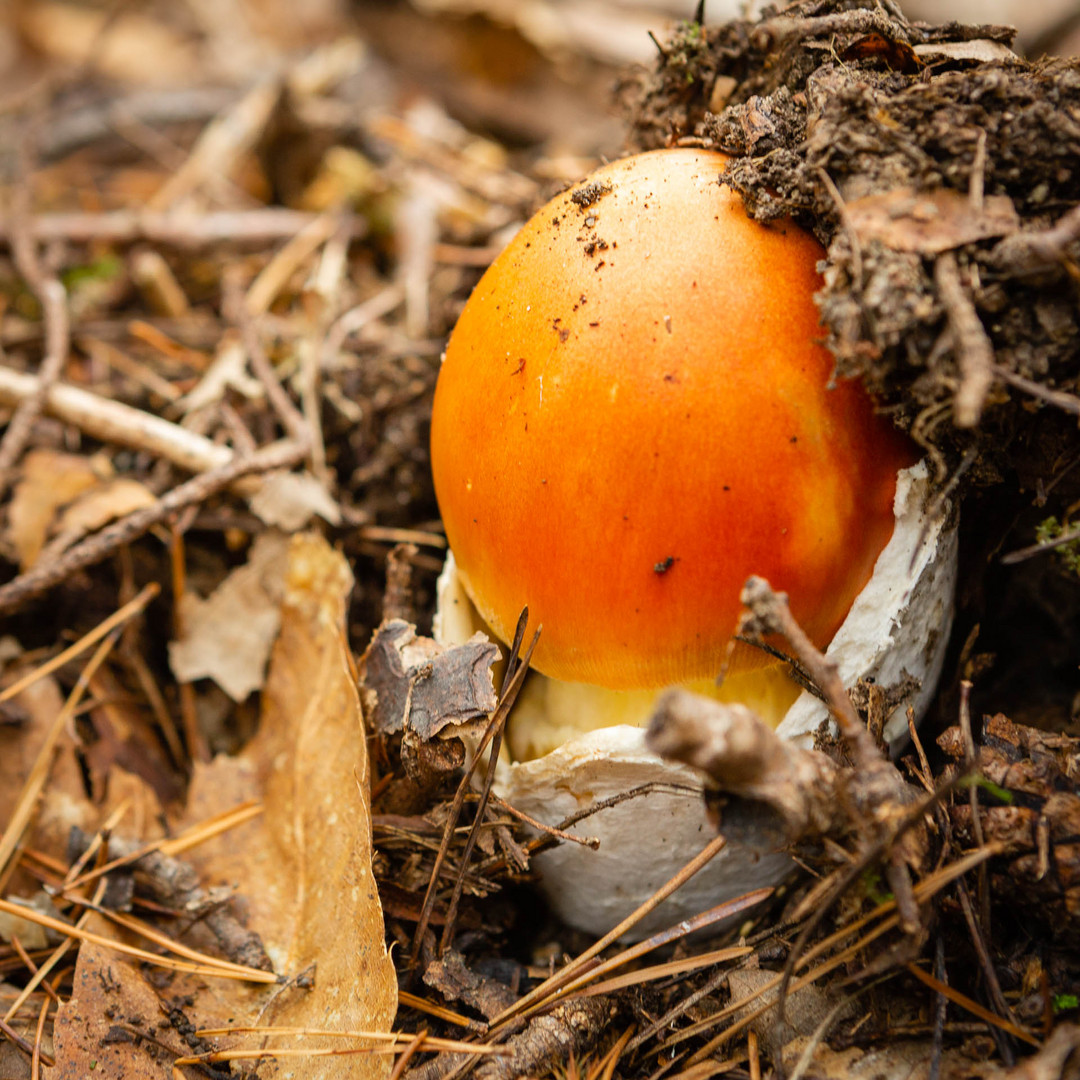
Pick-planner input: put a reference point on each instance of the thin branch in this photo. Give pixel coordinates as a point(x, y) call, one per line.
point(114, 422)
point(178, 229)
point(770, 614)
point(971, 344)
point(34, 582)
point(1022, 554)
point(54, 314)
point(1069, 403)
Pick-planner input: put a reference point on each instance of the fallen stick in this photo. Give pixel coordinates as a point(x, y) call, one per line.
point(113, 422)
point(42, 577)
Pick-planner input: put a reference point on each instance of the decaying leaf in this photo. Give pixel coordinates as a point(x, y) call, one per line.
point(228, 636)
point(288, 501)
point(116, 1025)
point(50, 479)
point(804, 1011)
point(305, 865)
point(930, 222)
point(414, 681)
point(898, 55)
point(95, 508)
point(64, 803)
point(978, 50)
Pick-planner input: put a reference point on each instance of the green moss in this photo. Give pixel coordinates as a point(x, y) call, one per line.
point(687, 51)
point(1051, 530)
point(103, 269)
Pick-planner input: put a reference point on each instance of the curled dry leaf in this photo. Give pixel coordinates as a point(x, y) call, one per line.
point(304, 867)
point(95, 508)
point(227, 637)
point(50, 480)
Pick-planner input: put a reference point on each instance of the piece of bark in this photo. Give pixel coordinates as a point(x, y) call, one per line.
point(456, 982)
point(414, 681)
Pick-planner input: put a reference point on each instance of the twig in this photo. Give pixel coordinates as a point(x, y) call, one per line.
point(417, 230)
point(749, 761)
point(356, 318)
point(39, 1054)
point(76, 127)
point(324, 300)
point(54, 313)
point(26, 586)
point(970, 766)
point(111, 421)
point(971, 344)
point(409, 1052)
point(114, 422)
point(770, 614)
point(290, 416)
point(26, 1047)
point(550, 830)
point(1022, 554)
point(845, 221)
point(515, 674)
point(1069, 403)
point(222, 142)
point(273, 276)
point(1025, 251)
point(514, 677)
point(882, 817)
point(179, 229)
point(977, 180)
point(941, 1006)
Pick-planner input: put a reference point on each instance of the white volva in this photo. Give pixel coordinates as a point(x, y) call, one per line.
point(899, 624)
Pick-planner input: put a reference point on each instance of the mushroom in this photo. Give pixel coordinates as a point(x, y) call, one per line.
point(634, 414)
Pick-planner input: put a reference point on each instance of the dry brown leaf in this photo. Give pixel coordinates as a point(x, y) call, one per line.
point(65, 803)
point(904, 1059)
point(979, 51)
point(228, 636)
point(131, 47)
point(118, 737)
point(930, 222)
point(288, 501)
point(95, 508)
point(115, 1026)
point(304, 867)
point(49, 480)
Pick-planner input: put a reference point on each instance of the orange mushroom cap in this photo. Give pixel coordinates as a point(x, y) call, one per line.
point(634, 415)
